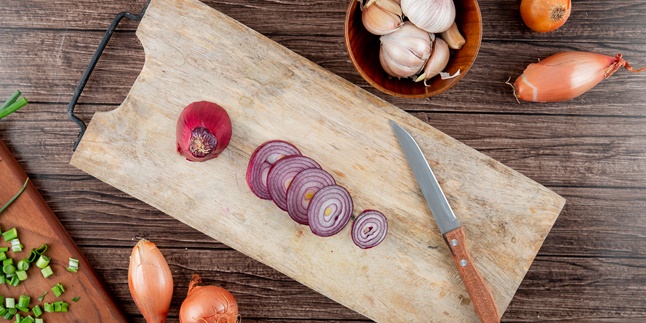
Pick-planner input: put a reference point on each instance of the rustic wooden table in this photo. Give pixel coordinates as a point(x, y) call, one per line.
point(591, 150)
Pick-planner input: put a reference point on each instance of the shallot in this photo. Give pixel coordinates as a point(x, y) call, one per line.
point(150, 281)
point(208, 304)
point(566, 75)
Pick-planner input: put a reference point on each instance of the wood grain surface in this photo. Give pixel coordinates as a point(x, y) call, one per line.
point(589, 150)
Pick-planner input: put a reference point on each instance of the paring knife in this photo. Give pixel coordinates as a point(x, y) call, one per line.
point(450, 228)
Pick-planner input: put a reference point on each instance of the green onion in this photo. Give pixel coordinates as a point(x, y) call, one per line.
point(42, 297)
point(10, 302)
point(38, 320)
point(1, 301)
point(8, 261)
point(18, 318)
point(23, 265)
point(73, 265)
point(3, 255)
point(47, 271)
point(16, 246)
point(76, 299)
point(37, 311)
point(23, 301)
point(32, 256)
point(60, 306)
point(27, 319)
point(10, 313)
point(58, 289)
point(23, 309)
point(49, 307)
point(11, 100)
point(4, 207)
point(22, 275)
point(4, 249)
point(43, 261)
point(15, 281)
point(2, 281)
point(11, 234)
point(13, 107)
point(41, 250)
point(3, 311)
point(8, 269)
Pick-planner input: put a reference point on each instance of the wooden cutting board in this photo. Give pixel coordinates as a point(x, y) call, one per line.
point(194, 53)
point(37, 224)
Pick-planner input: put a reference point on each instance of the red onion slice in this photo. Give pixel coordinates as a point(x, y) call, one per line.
point(260, 163)
point(281, 175)
point(303, 188)
point(369, 229)
point(330, 210)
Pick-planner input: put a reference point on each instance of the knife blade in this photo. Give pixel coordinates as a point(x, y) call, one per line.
point(449, 226)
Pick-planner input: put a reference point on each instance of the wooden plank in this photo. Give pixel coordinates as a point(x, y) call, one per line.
point(590, 20)
point(37, 225)
point(128, 149)
point(47, 65)
point(555, 288)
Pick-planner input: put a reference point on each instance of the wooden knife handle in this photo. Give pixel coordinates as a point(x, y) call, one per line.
point(479, 292)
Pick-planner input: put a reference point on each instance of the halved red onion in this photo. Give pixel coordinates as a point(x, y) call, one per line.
point(369, 229)
point(281, 175)
point(260, 163)
point(330, 210)
point(303, 188)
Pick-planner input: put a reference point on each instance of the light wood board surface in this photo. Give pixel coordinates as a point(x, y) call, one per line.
point(195, 53)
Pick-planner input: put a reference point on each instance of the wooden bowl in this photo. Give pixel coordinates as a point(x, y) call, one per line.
point(363, 48)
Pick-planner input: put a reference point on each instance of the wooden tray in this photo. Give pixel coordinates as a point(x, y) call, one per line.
point(194, 53)
point(37, 224)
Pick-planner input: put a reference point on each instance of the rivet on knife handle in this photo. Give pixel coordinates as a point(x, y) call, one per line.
point(478, 290)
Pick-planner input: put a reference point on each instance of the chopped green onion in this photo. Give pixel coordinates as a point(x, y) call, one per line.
point(13, 107)
point(43, 261)
point(27, 319)
point(23, 301)
point(8, 269)
point(8, 261)
point(3, 255)
point(16, 246)
point(18, 318)
point(37, 311)
point(10, 302)
point(11, 100)
point(23, 265)
point(15, 281)
point(42, 297)
point(1, 301)
point(22, 275)
point(73, 265)
point(58, 289)
point(10, 313)
point(33, 255)
point(4, 207)
point(60, 306)
point(3, 311)
point(38, 320)
point(47, 271)
point(10, 235)
point(23, 309)
point(41, 250)
point(76, 299)
point(2, 281)
point(4, 249)
point(49, 307)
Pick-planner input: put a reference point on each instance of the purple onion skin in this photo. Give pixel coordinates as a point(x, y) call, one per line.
point(256, 166)
point(295, 209)
point(356, 230)
point(340, 219)
point(286, 168)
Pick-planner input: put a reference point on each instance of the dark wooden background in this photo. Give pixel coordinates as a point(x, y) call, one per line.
point(591, 150)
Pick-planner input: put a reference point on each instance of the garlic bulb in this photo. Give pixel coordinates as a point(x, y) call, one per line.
point(434, 16)
point(404, 52)
point(382, 17)
point(438, 61)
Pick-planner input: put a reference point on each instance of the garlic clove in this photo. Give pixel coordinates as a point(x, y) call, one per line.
point(434, 16)
point(437, 62)
point(381, 17)
point(404, 52)
point(453, 37)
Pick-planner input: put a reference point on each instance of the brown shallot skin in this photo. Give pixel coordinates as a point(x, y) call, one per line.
point(566, 75)
point(208, 304)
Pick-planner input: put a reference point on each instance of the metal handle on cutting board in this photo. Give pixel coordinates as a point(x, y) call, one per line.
point(90, 67)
